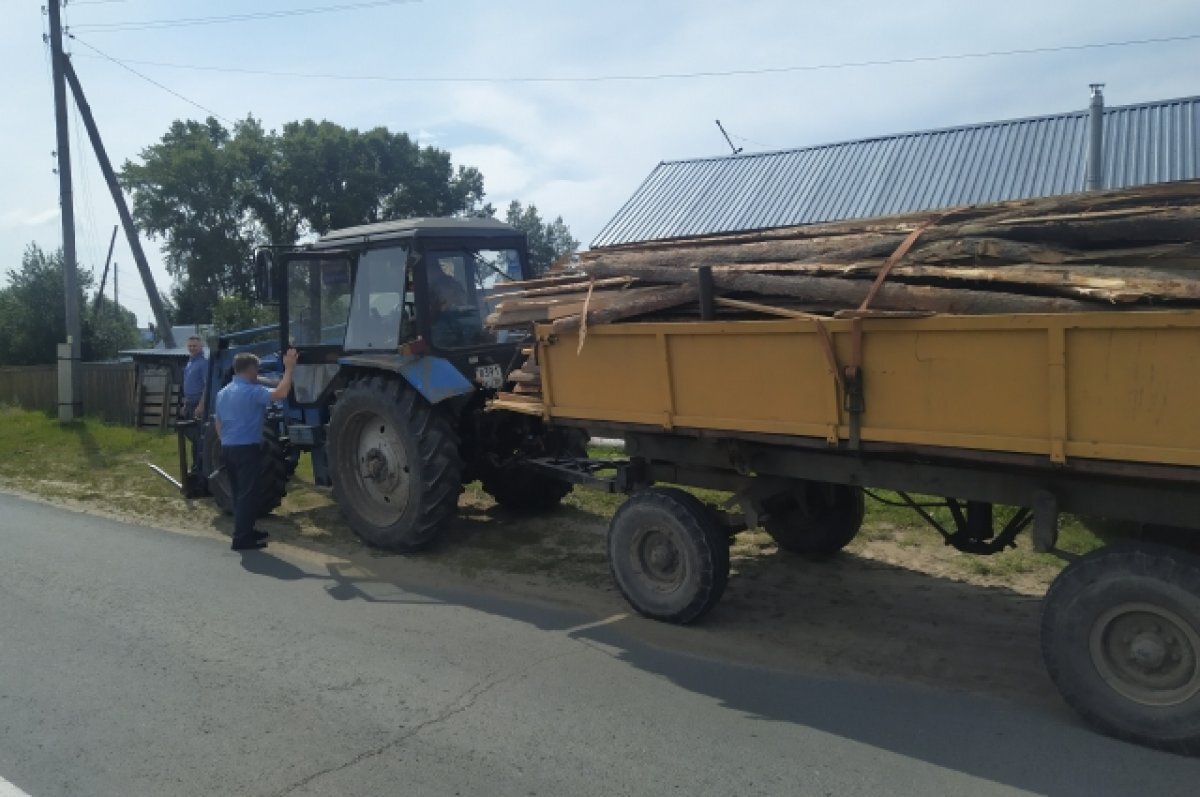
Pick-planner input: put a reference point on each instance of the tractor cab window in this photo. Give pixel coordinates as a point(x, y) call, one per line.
point(381, 316)
point(318, 301)
point(460, 282)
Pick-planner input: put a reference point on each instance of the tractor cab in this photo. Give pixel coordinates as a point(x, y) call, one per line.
point(363, 294)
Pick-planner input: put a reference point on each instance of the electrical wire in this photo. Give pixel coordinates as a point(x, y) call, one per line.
point(255, 16)
point(656, 76)
point(151, 80)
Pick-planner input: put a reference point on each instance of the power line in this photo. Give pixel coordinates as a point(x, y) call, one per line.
point(658, 76)
point(159, 24)
point(167, 89)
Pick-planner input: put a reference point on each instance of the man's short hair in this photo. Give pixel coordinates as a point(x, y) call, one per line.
point(195, 338)
point(244, 362)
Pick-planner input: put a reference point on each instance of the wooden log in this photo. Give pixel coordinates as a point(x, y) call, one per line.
point(1084, 281)
point(837, 292)
point(557, 289)
point(765, 309)
point(520, 285)
point(661, 299)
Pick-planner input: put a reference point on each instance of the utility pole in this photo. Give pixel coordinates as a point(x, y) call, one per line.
point(161, 321)
point(107, 262)
point(70, 399)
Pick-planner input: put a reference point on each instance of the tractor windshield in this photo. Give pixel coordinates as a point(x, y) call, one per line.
point(460, 281)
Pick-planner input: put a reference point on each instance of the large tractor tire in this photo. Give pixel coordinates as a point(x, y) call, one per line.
point(1121, 641)
point(815, 520)
point(669, 554)
point(521, 488)
point(272, 478)
point(396, 468)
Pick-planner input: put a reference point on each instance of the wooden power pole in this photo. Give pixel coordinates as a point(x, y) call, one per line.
point(161, 322)
point(70, 397)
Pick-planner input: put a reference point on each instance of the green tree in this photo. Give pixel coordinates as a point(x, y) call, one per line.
point(213, 194)
point(233, 313)
point(188, 190)
point(549, 242)
point(33, 318)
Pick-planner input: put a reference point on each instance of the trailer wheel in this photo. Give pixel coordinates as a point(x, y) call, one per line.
point(395, 464)
point(1121, 640)
point(815, 519)
point(669, 554)
point(520, 488)
point(272, 477)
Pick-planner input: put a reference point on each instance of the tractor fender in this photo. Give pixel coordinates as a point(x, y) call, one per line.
point(433, 377)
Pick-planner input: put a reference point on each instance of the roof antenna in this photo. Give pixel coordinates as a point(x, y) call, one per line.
point(721, 127)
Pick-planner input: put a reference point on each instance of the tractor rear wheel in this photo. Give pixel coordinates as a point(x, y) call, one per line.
point(395, 463)
point(815, 519)
point(272, 477)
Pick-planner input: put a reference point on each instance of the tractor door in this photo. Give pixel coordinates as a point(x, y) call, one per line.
point(313, 316)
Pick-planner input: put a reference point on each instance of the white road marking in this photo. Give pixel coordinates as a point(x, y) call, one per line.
point(9, 790)
point(616, 618)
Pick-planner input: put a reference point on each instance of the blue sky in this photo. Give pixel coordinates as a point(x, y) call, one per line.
point(575, 149)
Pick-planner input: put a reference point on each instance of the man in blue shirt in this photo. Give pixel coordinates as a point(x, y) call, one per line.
point(240, 409)
point(195, 379)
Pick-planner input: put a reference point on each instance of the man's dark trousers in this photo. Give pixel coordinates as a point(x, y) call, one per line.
point(192, 433)
point(243, 464)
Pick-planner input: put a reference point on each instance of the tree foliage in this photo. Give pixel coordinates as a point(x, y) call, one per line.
point(33, 316)
point(549, 242)
point(233, 313)
point(213, 194)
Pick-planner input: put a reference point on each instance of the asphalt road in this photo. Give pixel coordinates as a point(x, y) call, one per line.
point(135, 661)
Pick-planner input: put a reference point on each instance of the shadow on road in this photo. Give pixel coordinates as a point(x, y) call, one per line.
point(805, 634)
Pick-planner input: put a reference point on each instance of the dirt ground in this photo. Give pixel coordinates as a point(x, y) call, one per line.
point(895, 604)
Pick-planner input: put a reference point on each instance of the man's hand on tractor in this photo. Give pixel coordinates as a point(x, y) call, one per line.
point(290, 358)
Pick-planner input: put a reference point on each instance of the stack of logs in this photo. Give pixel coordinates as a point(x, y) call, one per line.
point(1130, 249)
point(1133, 248)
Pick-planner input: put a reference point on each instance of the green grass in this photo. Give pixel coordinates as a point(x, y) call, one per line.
point(106, 466)
point(89, 460)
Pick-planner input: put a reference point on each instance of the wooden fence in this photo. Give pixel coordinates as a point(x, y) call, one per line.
point(108, 389)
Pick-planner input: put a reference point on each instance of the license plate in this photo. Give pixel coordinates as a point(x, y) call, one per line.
point(490, 376)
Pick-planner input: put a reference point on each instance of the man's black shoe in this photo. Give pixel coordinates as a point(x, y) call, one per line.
point(256, 545)
point(260, 536)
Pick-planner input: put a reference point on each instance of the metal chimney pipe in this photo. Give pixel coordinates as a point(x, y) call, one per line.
point(1095, 161)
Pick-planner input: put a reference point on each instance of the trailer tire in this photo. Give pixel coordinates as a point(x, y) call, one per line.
point(669, 555)
point(1120, 635)
point(816, 519)
point(272, 477)
point(520, 488)
point(395, 464)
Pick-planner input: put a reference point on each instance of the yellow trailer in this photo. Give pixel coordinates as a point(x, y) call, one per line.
point(1090, 413)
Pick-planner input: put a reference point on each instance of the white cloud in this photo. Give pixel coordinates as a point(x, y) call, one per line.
point(25, 217)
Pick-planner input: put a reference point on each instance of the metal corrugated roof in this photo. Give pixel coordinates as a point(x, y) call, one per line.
point(1152, 142)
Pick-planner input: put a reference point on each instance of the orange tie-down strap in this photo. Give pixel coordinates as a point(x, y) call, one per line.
point(898, 255)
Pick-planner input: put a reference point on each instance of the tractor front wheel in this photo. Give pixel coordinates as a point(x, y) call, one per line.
point(396, 468)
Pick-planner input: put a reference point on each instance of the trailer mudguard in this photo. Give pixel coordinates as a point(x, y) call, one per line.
point(433, 377)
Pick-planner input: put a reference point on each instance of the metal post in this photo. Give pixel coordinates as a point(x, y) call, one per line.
point(70, 400)
point(1095, 162)
point(704, 284)
point(161, 321)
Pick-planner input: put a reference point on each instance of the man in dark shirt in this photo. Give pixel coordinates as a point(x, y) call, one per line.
point(240, 408)
point(195, 379)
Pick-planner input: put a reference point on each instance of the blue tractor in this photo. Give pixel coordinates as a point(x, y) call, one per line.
point(396, 367)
